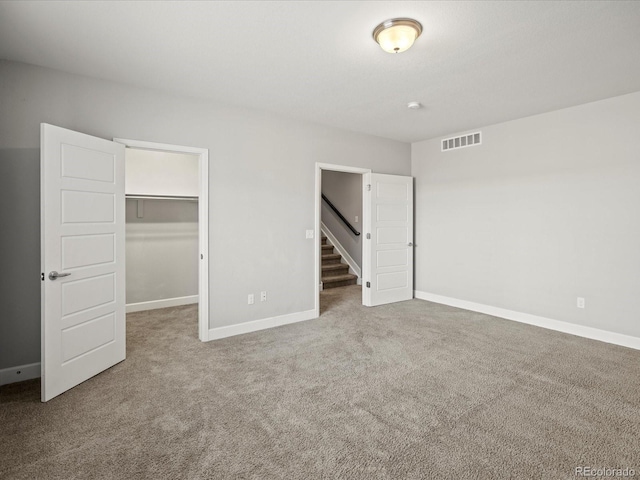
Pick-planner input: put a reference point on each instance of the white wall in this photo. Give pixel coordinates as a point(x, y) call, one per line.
point(161, 250)
point(344, 190)
point(546, 210)
point(261, 178)
point(20, 254)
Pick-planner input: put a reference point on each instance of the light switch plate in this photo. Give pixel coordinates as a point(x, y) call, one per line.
point(309, 233)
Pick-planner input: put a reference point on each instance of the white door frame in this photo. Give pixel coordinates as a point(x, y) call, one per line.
point(203, 222)
point(318, 207)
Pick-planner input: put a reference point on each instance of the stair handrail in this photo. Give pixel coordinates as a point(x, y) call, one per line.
point(346, 222)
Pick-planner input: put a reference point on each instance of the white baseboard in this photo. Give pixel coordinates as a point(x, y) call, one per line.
point(353, 266)
point(255, 325)
point(19, 373)
point(164, 303)
point(557, 325)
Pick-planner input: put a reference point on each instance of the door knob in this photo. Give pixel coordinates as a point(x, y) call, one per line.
point(410, 244)
point(54, 275)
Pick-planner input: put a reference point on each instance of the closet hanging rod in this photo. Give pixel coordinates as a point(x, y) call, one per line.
point(162, 197)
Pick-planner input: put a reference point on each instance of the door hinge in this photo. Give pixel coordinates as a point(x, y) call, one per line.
point(42, 277)
point(368, 284)
point(368, 236)
point(368, 187)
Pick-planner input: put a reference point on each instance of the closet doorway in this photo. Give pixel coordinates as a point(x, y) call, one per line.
point(166, 189)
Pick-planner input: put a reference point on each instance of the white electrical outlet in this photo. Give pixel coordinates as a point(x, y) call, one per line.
point(263, 296)
point(309, 233)
point(250, 299)
point(580, 302)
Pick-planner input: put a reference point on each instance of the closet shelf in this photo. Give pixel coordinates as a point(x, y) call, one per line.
point(161, 197)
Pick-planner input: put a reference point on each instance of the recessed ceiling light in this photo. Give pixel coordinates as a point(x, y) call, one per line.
point(397, 34)
point(414, 105)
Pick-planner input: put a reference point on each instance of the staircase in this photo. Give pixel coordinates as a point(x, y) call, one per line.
point(334, 272)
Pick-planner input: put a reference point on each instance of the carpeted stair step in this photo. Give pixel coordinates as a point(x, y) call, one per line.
point(334, 269)
point(331, 258)
point(335, 281)
point(334, 272)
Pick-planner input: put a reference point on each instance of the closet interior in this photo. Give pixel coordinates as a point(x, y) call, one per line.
point(161, 191)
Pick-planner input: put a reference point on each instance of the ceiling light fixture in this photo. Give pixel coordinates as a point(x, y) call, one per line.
point(414, 105)
point(397, 34)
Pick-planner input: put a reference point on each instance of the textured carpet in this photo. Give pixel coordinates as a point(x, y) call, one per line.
point(412, 390)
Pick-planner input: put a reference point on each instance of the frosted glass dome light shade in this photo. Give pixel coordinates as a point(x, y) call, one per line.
point(397, 35)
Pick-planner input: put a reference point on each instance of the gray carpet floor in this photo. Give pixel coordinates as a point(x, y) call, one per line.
point(406, 391)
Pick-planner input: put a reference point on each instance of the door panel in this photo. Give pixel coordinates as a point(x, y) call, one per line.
point(389, 251)
point(393, 280)
point(87, 207)
point(392, 236)
point(88, 250)
point(393, 258)
point(88, 336)
point(83, 163)
point(390, 213)
point(388, 190)
point(87, 293)
point(82, 228)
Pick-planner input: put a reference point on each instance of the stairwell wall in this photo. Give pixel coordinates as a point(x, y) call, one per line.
point(344, 190)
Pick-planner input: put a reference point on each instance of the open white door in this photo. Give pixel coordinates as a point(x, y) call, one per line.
point(388, 242)
point(82, 257)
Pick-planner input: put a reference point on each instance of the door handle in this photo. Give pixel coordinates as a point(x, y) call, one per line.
point(54, 275)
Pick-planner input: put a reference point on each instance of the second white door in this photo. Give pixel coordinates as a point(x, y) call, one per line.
point(388, 242)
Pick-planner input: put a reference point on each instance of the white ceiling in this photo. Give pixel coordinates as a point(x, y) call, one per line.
point(476, 63)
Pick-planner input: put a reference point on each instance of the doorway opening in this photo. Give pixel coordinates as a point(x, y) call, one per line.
point(339, 229)
point(166, 188)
